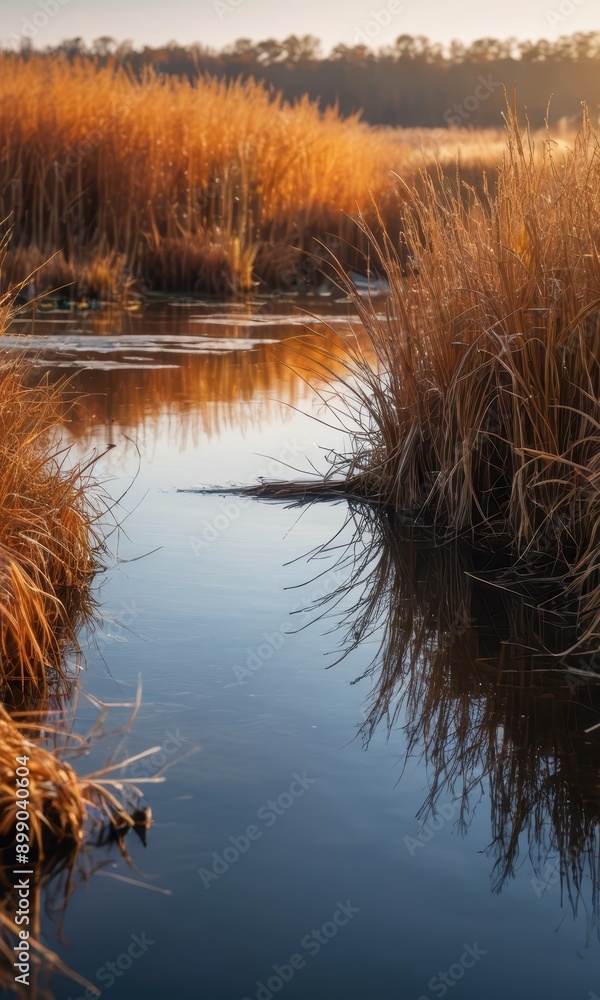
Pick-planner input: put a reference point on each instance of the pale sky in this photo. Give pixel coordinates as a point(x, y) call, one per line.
point(219, 22)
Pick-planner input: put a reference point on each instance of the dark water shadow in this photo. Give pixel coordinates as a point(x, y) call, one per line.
point(466, 676)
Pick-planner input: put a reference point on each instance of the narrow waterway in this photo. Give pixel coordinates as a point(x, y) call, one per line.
point(404, 821)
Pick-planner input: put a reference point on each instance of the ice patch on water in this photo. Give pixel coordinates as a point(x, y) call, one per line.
point(140, 343)
point(273, 319)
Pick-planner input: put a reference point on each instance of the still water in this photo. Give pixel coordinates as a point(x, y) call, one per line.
point(409, 820)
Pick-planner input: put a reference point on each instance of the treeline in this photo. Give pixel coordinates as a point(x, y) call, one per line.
point(413, 82)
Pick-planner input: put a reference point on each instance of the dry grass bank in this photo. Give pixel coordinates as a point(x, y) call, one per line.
point(188, 187)
point(47, 540)
point(49, 551)
point(49, 546)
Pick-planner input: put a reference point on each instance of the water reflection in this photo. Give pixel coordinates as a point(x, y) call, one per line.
point(461, 669)
point(183, 373)
point(459, 679)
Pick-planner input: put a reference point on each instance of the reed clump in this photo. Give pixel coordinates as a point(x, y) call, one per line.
point(48, 547)
point(95, 276)
point(480, 415)
point(202, 186)
point(66, 813)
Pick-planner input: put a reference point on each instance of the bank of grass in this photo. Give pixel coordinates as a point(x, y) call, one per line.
point(48, 545)
point(49, 550)
point(203, 187)
point(481, 416)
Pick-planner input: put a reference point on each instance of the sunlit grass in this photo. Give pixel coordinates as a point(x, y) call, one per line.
point(480, 415)
point(48, 543)
point(204, 186)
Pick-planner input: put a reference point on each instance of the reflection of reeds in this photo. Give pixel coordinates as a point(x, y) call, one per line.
point(190, 393)
point(462, 669)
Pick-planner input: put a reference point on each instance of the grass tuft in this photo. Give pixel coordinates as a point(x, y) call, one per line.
point(476, 409)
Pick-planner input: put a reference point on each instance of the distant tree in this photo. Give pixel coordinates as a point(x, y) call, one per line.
point(484, 50)
point(73, 47)
point(241, 47)
point(304, 49)
point(104, 46)
point(124, 49)
point(413, 82)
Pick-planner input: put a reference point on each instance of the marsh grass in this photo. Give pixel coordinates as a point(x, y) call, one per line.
point(48, 544)
point(101, 277)
point(70, 815)
point(480, 416)
point(206, 186)
point(185, 181)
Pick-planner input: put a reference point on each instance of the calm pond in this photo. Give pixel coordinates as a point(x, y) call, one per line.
point(406, 821)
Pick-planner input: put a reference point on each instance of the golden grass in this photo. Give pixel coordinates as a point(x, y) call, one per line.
point(481, 414)
point(47, 542)
point(91, 275)
point(198, 187)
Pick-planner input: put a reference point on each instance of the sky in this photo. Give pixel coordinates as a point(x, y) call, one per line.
point(219, 22)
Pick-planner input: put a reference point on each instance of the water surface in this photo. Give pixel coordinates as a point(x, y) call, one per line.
point(411, 820)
